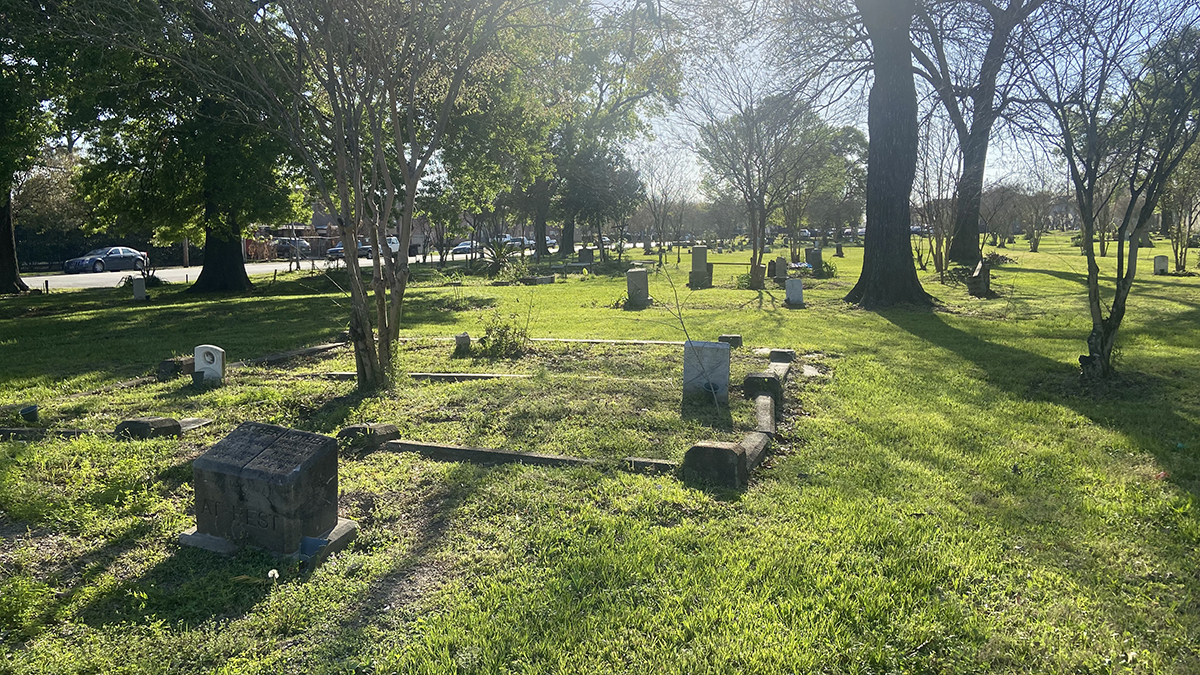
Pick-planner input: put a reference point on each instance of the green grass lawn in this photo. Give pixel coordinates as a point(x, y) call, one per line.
point(948, 500)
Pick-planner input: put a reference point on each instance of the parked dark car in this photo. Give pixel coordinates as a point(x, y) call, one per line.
point(466, 247)
point(291, 248)
point(107, 259)
point(364, 251)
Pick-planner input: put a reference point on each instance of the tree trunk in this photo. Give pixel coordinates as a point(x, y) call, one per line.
point(10, 271)
point(224, 268)
point(566, 247)
point(541, 192)
point(889, 276)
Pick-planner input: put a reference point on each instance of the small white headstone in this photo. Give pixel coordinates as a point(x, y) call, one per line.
point(139, 288)
point(706, 370)
point(1160, 264)
point(210, 360)
point(795, 292)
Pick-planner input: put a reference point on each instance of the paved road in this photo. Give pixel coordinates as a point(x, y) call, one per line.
point(176, 274)
point(111, 279)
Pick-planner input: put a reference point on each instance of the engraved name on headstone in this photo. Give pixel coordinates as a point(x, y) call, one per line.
point(267, 486)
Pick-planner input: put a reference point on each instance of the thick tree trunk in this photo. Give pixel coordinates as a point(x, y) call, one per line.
point(10, 271)
point(889, 276)
point(224, 267)
point(566, 247)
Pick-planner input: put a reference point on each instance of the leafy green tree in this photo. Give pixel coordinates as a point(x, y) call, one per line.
point(1118, 83)
point(181, 165)
point(27, 78)
point(601, 188)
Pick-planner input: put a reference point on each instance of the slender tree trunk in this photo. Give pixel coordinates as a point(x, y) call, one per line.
point(10, 271)
point(541, 190)
point(889, 276)
point(964, 243)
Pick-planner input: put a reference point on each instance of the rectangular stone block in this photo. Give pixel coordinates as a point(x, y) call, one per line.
point(706, 370)
point(734, 341)
point(267, 486)
point(700, 259)
point(637, 286)
point(717, 463)
point(587, 256)
point(812, 256)
point(1160, 264)
point(781, 269)
point(139, 288)
point(149, 427)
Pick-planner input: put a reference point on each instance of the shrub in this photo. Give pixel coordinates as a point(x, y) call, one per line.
point(502, 338)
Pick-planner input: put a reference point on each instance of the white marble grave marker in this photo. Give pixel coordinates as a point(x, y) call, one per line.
point(795, 292)
point(1160, 264)
point(706, 370)
point(139, 288)
point(210, 360)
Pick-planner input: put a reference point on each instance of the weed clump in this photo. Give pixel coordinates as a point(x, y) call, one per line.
point(503, 338)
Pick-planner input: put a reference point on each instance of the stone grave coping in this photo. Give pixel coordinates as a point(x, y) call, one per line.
point(733, 340)
point(729, 465)
point(368, 436)
point(721, 463)
point(458, 453)
point(37, 433)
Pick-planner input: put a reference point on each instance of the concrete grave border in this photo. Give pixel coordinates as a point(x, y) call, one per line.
point(719, 463)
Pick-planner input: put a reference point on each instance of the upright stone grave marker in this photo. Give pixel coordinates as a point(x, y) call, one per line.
point(706, 370)
point(587, 255)
point(210, 360)
point(700, 276)
point(781, 269)
point(270, 487)
point(139, 288)
point(637, 286)
point(812, 256)
point(795, 292)
point(1160, 264)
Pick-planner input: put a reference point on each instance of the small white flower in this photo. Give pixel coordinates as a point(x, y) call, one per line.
point(273, 575)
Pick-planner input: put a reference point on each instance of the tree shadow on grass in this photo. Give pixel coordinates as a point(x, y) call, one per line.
point(1136, 404)
point(190, 586)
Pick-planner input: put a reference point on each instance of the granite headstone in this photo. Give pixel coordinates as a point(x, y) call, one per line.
point(270, 487)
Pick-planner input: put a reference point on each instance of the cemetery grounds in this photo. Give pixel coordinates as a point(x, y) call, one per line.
point(944, 496)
